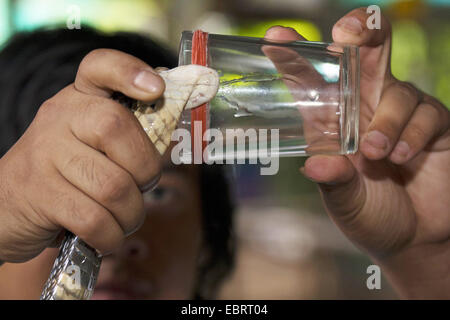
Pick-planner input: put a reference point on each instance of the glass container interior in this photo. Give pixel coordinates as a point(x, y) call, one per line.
point(307, 91)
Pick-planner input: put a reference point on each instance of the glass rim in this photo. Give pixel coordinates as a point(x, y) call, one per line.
point(258, 40)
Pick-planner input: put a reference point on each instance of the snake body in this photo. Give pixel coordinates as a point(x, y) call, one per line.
point(186, 87)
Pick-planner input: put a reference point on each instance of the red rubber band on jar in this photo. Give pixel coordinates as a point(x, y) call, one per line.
point(199, 56)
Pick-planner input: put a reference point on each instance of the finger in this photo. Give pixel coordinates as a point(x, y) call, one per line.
point(74, 211)
point(104, 71)
point(288, 62)
point(305, 83)
point(397, 104)
point(352, 29)
point(103, 181)
point(428, 122)
point(374, 51)
point(283, 34)
point(56, 243)
point(107, 126)
point(331, 170)
point(338, 182)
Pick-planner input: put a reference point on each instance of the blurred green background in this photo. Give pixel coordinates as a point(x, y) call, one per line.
point(288, 248)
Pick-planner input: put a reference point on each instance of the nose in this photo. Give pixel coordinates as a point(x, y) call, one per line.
point(134, 249)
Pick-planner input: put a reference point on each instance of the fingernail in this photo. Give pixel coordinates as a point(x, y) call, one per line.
point(151, 185)
point(377, 140)
point(401, 151)
point(146, 80)
point(351, 24)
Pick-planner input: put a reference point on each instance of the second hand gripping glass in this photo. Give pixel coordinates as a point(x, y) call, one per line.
point(309, 91)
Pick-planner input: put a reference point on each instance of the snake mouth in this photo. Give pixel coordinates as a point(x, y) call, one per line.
point(135, 105)
point(119, 97)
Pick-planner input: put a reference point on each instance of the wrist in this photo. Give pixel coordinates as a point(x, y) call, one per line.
point(420, 272)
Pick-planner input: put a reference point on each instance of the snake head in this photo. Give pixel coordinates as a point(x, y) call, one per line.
point(196, 84)
point(187, 87)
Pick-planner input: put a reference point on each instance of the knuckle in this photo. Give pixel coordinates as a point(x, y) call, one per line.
point(442, 115)
point(109, 124)
point(416, 132)
point(47, 110)
point(406, 90)
point(439, 112)
point(91, 223)
point(433, 112)
point(82, 218)
point(115, 187)
point(92, 57)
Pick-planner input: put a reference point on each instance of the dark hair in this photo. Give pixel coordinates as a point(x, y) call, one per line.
point(36, 65)
point(217, 208)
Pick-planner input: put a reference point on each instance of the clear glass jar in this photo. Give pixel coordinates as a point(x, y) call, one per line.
point(308, 92)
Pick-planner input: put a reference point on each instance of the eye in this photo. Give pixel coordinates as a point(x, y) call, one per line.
point(160, 194)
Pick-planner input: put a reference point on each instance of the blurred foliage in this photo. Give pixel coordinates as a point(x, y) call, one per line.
point(409, 57)
point(440, 61)
point(421, 57)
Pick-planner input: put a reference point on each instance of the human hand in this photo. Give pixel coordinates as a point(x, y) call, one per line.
point(390, 198)
point(83, 162)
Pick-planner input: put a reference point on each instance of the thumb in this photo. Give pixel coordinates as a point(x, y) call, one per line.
point(352, 29)
point(340, 185)
point(104, 71)
point(375, 44)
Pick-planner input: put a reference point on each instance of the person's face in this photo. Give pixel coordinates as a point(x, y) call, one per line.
point(159, 261)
